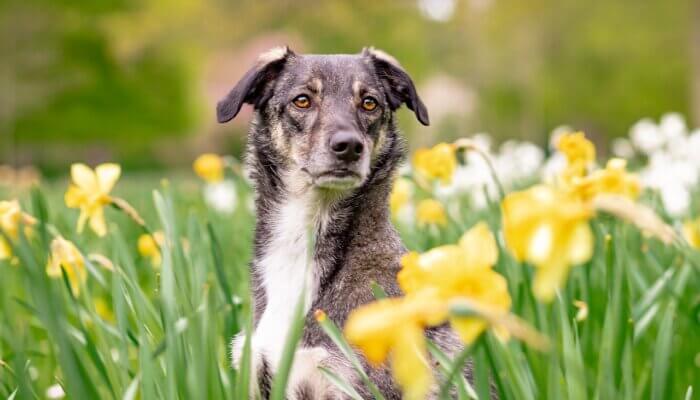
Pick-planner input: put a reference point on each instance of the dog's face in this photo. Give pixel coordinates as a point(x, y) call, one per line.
point(327, 116)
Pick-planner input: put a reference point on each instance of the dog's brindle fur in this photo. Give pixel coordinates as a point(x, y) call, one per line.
point(307, 192)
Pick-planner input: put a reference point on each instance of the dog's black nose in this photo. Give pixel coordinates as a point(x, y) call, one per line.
point(346, 146)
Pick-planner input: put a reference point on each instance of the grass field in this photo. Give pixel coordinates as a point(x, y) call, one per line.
point(624, 325)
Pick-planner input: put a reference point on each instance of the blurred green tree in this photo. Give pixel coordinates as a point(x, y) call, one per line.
point(120, 78)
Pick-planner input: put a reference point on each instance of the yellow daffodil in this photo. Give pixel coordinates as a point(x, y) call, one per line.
point(582, 312)
point(401, 195)
point(434, 282)
point(89, 192)
point(64, 255)
point(103, 310)
point(209, 167)
point(691, 232)
point(438, 162)
point(395, 327)
point(11, 218)
point(479, 246)
point(149, 246)
point(549, 229)
point(614, 179)
point(409, 362)
point(431, 212)
point(488, 290)
point(460, 271)
point(579, 153)
point(577, 148)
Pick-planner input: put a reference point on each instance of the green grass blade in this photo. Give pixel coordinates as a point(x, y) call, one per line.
point(332, 331)
point(279, 383)
point(662, 354)
point(574, 374)
point(452, 371)
point(132, 389)
point(340, 383)
point(244, 368)
point(378, 291)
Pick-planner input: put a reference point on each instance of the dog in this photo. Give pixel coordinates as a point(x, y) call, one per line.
point(322, 153)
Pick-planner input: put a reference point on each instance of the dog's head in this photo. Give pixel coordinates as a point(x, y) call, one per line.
point(327, 116)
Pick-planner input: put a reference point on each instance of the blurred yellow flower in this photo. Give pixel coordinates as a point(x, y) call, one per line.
point(577, 148)
point(479, 246)
point(11, 218)
point(401, 195)
point(209, 167)
point(489, 291)
point(460, 271)
point(395, 326)
point(438, 162)
point(434, 282)
point(64, 255)
point(90, 192)
point(549, 229)
point(582, 312)
point(149, 246)
point(103, 310)
point(613, 179)
point(579, 153)
point(431, 211)
point(691, 232)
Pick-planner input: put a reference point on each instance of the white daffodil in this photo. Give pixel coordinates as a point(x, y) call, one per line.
point(221, 196)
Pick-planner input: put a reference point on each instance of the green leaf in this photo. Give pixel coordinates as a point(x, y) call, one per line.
point(332, 331)
point(340, 383)
point(244, 368)
point(378, 291)
point(279, 383)
point(452, 371)
point(574, 374)
point(662, 354)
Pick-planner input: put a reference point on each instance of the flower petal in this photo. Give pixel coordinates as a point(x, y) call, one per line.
point(83, 177)
point(74, 197)
point(371, 328)
point(541, 244)
point(53, 267)
point(97, 222)
point(479, 246)
point(82, 219)
point(409, 363)
point(548, 278)
point(5, 250)
point(107, 176)
point(580, 244)
point(468, 328)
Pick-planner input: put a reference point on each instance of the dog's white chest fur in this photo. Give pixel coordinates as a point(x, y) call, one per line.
point(287, 272)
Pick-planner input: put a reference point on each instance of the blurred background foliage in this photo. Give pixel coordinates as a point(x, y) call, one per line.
point(136, 81)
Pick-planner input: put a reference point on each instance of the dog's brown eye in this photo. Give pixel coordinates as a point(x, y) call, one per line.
point(369, 103)
point(302, 101)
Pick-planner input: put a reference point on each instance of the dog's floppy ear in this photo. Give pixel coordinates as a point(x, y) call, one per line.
point(397, 84)
point(255, 86)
